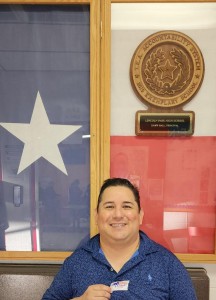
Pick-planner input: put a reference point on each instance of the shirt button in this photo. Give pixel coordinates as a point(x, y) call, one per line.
point(111, 269)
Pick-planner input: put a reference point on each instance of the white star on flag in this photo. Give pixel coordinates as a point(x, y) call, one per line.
point(40, 138)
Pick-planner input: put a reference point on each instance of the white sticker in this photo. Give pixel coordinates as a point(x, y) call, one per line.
point(119, 285)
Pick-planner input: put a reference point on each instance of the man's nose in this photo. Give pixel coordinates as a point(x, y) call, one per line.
point(118, 212)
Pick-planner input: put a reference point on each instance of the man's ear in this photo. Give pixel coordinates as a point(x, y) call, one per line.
point(141, 216)
point(95, 216)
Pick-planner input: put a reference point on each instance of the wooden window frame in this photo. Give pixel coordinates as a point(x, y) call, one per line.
point(100, 90)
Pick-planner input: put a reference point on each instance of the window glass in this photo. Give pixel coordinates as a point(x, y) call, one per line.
point(44, 132)
point(175, 175)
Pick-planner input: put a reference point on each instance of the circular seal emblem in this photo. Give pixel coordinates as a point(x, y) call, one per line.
point(167, 69)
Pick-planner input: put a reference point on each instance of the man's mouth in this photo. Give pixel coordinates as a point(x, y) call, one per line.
point(118, 225)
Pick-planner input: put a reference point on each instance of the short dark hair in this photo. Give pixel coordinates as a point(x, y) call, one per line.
point(119, 182)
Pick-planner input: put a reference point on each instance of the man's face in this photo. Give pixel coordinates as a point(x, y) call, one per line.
point(118, 217)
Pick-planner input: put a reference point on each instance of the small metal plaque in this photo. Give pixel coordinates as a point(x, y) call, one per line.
point(164, 124)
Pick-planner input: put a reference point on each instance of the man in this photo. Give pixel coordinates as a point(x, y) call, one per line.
point(121, 262)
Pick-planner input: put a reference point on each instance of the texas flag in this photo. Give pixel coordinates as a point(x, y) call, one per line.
point(175, 175)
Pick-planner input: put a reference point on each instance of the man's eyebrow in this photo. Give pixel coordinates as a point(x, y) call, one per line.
point(128, 202)
point(108, 202)
point(113, 202)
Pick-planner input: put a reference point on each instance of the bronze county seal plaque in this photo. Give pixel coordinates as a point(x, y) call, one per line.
point(166, 72)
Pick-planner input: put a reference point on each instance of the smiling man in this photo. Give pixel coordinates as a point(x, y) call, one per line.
point(121, 262)
point(118, 217)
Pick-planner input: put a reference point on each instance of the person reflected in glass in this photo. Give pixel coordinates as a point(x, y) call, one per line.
point(50, 203)
point(76, 203)
point(121, 262)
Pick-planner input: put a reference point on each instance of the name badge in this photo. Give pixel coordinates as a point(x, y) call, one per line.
point(119, 285)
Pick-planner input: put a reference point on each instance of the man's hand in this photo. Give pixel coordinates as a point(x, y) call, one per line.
point(97, 292)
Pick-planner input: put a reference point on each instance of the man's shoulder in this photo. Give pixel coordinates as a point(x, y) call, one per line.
point(87, 244)
point(150, 246)
point(82, 252)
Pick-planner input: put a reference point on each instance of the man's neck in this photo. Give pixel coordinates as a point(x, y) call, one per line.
point(117, 245)
point(118, 252)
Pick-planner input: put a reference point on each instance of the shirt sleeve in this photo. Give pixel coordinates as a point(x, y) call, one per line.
point(181, 285)
point(61, 287)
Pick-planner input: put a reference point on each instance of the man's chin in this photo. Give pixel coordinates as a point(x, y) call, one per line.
point(119, 237)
